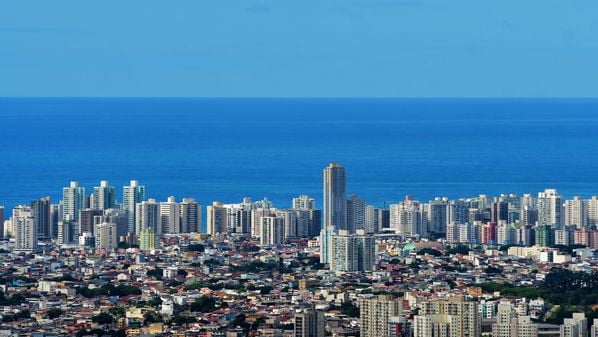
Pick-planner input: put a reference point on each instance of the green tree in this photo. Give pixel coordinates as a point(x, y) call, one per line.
point(203, 304)
point(350, 309)
point(54, 313)
point(103, 318)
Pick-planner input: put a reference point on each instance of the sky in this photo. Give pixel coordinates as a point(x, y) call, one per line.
point(292, 48)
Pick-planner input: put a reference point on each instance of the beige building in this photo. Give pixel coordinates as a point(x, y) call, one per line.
point(509, 324)
point(376, 314)
point(454, 317)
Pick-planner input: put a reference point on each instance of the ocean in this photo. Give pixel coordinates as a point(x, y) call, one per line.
point(226, 149)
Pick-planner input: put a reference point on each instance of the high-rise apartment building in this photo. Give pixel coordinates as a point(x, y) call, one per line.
point(272, 231)
point(105, 236)
point(372, 220)
point(73, 201)
point(55, 218)
point(119, 218)
point(24, 229)
point(87, 219)
point(40, 210)
point(334, 197)
point(302, 222)
point(506, 234)
point(352, 252)
point(334, 207)
point(405, 217)
point(575, 212)
point(528, 215)
point(132, 195)
point(67, 232)
point(103, 196)
point(592, 211)
point(238, 217)
point(304, 202)
point(500, 212)
point(170, 216)
point(256, 219)
point(147, 215)
point(550, 208)
point(577, 326)
point(290, 223)
point(437, 216)
point(148, 239)
point(310, 323)
point(309, 219)
point(510, 324)
point(376, 314)
point(190, 214)
point(544, 235)
point(216, 218)
point(355, 213)
point(453, 317)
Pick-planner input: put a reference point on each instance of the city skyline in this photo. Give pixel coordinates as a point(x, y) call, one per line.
point(264, 168)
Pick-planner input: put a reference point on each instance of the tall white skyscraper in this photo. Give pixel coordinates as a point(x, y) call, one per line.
point(24, 229)
point(73, 201)
point(239, 217)
point(147, 215)
point(272, 231)
point(132, 195)
point(170, 216)
point(103, 196)
point(550, 208)
point(304, 202)
point(405, 218)
point(190, 214)
point(289, 220)
point(592, 211)
point(256, 219)
point(334, 207)
point(305, 208)
point(575, 212)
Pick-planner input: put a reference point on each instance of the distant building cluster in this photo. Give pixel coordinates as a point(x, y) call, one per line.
point(505, 266)
point(98, 220)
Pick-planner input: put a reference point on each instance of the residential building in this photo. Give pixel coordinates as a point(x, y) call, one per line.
point(103, 196)
point(105, 236)
point(40, 210)
point(73, 201)
point(132, 195)
point(376, 314)
point(24, 229)
point(309, 323)
point(352, 252)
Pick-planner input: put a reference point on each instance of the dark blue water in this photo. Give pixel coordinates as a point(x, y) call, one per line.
point(218, 149)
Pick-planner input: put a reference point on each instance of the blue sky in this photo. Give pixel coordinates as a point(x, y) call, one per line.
point(292, 48)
